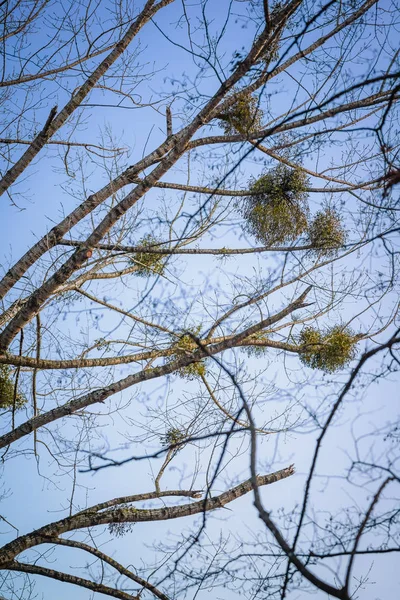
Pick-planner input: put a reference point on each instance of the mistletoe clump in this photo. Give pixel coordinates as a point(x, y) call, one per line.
point(329, 351)
point(271, 52)
point(121, 528)
point(173, 437)
point(252, 348)
point(7, 390)
point(148, 263)
point(276, 209)
point(193, 371)
point(243, 115)
point(187, 345)
point(326, 232)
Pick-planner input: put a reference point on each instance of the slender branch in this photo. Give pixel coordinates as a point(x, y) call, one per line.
point(361, 530)
point(168, 115)
point(141, 498)
point(169, 251)
point(85, 145)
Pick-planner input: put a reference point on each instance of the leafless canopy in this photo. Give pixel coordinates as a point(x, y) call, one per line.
point(199, 289)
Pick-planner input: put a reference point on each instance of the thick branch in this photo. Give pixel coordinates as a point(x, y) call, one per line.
point(55, 122)
point(372, 100)
point(67, 578)
point(77, 260)
point(132, 515)
point(145, 375)
point(113, 563)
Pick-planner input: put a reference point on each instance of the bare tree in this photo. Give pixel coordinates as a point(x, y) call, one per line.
point(223, 275)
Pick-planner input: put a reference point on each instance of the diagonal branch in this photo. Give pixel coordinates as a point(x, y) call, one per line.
point(77, 260)
point(132, 515)
point(113, 563)
point(54, 121)
point(102, 394)
point(67, 578)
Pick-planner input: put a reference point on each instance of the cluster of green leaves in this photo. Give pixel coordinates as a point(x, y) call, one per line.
point(172, 437)
point(7, 390)
point(276, 212)
point(243, 115)
point(148, 263)
point(326, 232)
point(272, 54)
point(329, 351)
point(120, 529)
point(256, 351)
point(184, 346)
point(276, 209)
point(193, 371)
